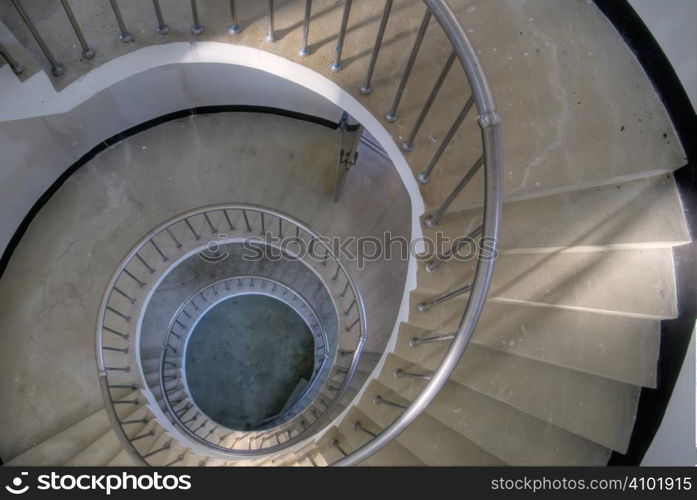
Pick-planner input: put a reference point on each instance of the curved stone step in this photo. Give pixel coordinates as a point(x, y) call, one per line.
point(394, 454)
point(595, 408)
point(434, 443)
point(510, 435)
point(638, 283)
point(646, 213)
point(614, 347)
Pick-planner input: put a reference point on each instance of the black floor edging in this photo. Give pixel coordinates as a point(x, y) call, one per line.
point(675, 333)
point(43, 199)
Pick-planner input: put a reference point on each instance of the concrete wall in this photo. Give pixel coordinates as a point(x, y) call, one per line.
point(36, 150)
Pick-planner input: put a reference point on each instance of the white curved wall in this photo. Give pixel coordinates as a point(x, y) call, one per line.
point(43, 132)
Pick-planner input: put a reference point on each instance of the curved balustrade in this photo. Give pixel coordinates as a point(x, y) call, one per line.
point(490, 162)
point(128, 294)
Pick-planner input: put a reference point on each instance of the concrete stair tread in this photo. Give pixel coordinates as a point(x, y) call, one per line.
point(615, 347)
point(394, 454)
point(66, 444)
point(99, 453)
point(638, 282)
point(597, 409)
point(645, 213)
point(431, 441)
point(510, 435)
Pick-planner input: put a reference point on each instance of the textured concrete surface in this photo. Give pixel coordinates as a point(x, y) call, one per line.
point(245, 358)
point(54, 282)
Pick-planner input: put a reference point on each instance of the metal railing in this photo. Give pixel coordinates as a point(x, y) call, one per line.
point(490, 162)
point(127, 296)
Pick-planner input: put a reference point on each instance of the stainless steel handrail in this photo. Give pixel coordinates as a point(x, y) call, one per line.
point(490, 123)
point(491, 162)
point(163, 357)
point(246, 209)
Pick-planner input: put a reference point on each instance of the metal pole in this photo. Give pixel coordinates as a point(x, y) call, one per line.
point(432, 266)
point(87, 52)
point(304, 50)
point(56, 68)
point(433, 219)
point(124, 36)
point(409, 143)
point(17, 68)
point(425, 176)
point(425, 306)
point(235, 27)
point(196, 29)
point(336, 65)
point(392, 113)
point(162, 28)
point(271, 36)
point(366, 88)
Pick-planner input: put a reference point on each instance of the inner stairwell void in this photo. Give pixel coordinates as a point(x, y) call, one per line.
point(145, 144)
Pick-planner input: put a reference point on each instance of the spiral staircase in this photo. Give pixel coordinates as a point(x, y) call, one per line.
point(534, 354)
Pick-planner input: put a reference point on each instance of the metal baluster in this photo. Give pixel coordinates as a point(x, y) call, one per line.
point(124, 36)
point(159, 450)
point(304, 50)
point(235, 26)
point(425, 306)
point(402, 374)
point(87, 52)
point(162, 28)
point(56, 68)
point(335, 443)
point(415, 342)
point(432, 266)
point(336, 65)
point(271, 36)
point(196, 29)
point(357, 426)
point(433, 219)
point(17, 68)
point(379, 400)
point(366, 88)
point(425, 176)
point(408, 145)
point(391, 115)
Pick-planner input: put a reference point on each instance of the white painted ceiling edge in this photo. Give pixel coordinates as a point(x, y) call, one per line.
point(36, 97)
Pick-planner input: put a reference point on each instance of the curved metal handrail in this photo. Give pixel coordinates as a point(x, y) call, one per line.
point(490, 123)
point(163, 356)
point(245, 209)
point(491, 161)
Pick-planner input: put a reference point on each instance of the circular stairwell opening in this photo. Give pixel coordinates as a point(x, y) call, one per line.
point(249, 359)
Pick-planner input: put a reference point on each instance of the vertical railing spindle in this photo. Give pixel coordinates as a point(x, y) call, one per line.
point(162, 27)
point(196, 28)
point(409, 143)
point(304, 50)
point(235, 26)
point(366, 88)
point(124, 36)
point(17, 68)
point(391, 115)
point(56, 68)
point(271, 36)
point(336, 65)
point(87, 52)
